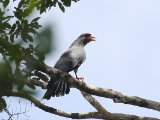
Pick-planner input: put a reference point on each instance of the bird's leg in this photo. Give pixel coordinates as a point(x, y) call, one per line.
point(78, 78)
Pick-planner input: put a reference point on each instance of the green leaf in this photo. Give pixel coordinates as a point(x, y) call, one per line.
point(1, 13)
point(13, 28)
point(20, 79)
point(61, 6)
point(42, 6)
point(67, 3)
point(25, 23)
point(75, 0)
point(12, 38)
point(33, 31)
point(29, 37)
point(35, 19)
point(5, 3)
point(5, 25)
point(23, 36)
point(30, 5)
point(6, 82)
point(35, 25)
point(54, 2)
point(16, 53)
point(3, 104)
point(20, 3)
point(18, 13)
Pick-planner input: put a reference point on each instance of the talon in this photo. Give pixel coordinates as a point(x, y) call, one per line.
point(80, 78)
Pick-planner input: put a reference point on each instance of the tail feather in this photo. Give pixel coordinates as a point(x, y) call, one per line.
point(61, 91)
point(56, 88)
point(58, 85)
point(67, 89)
point(64, 88)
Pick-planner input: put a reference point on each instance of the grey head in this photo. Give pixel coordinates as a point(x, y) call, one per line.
point(83, 39)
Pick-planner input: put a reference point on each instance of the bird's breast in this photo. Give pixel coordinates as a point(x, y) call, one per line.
point(78, 54)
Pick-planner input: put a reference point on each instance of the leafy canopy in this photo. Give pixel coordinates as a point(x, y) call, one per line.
point(20, 41)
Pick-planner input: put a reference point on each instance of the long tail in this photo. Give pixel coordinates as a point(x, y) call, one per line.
point(56, 88)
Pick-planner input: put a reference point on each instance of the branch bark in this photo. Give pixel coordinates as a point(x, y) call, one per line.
point(111, 116)
point(107, 115)
point(52, 110)
point(107, 93)
point(95, 115)
point(102, 92)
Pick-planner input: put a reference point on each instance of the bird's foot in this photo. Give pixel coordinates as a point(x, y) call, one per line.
point(80, 78)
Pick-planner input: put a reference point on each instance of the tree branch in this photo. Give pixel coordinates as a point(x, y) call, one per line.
point(107, 93)
point(111, 116)
point(96, 105)
point(94, 115)
point(40, 105)
point(102, 92)
point(38, 83)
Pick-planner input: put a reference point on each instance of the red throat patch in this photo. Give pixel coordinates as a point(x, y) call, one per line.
point(87, 40)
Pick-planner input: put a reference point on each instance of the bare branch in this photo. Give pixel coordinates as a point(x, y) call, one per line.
point(94, 115)
point(111, 116)
point(130, 117)
point(96, 105)
point(40, 105)
point(35, 82)
point(17, 112)
point(102, 92)
point(107, 93)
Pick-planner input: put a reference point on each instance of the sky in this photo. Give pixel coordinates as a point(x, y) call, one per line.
point(125, 56)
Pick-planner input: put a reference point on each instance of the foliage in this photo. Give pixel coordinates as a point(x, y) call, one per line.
point(20, 39)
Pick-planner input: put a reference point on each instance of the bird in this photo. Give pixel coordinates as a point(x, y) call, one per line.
point(69, 61)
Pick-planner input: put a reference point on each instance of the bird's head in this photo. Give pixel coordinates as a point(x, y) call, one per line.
point(86, 38)
point(83, 39)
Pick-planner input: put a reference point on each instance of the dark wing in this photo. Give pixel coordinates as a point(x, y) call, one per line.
point(67, 62)
point(70, 60)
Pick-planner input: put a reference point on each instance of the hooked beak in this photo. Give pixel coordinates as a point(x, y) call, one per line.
point(93, 38)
